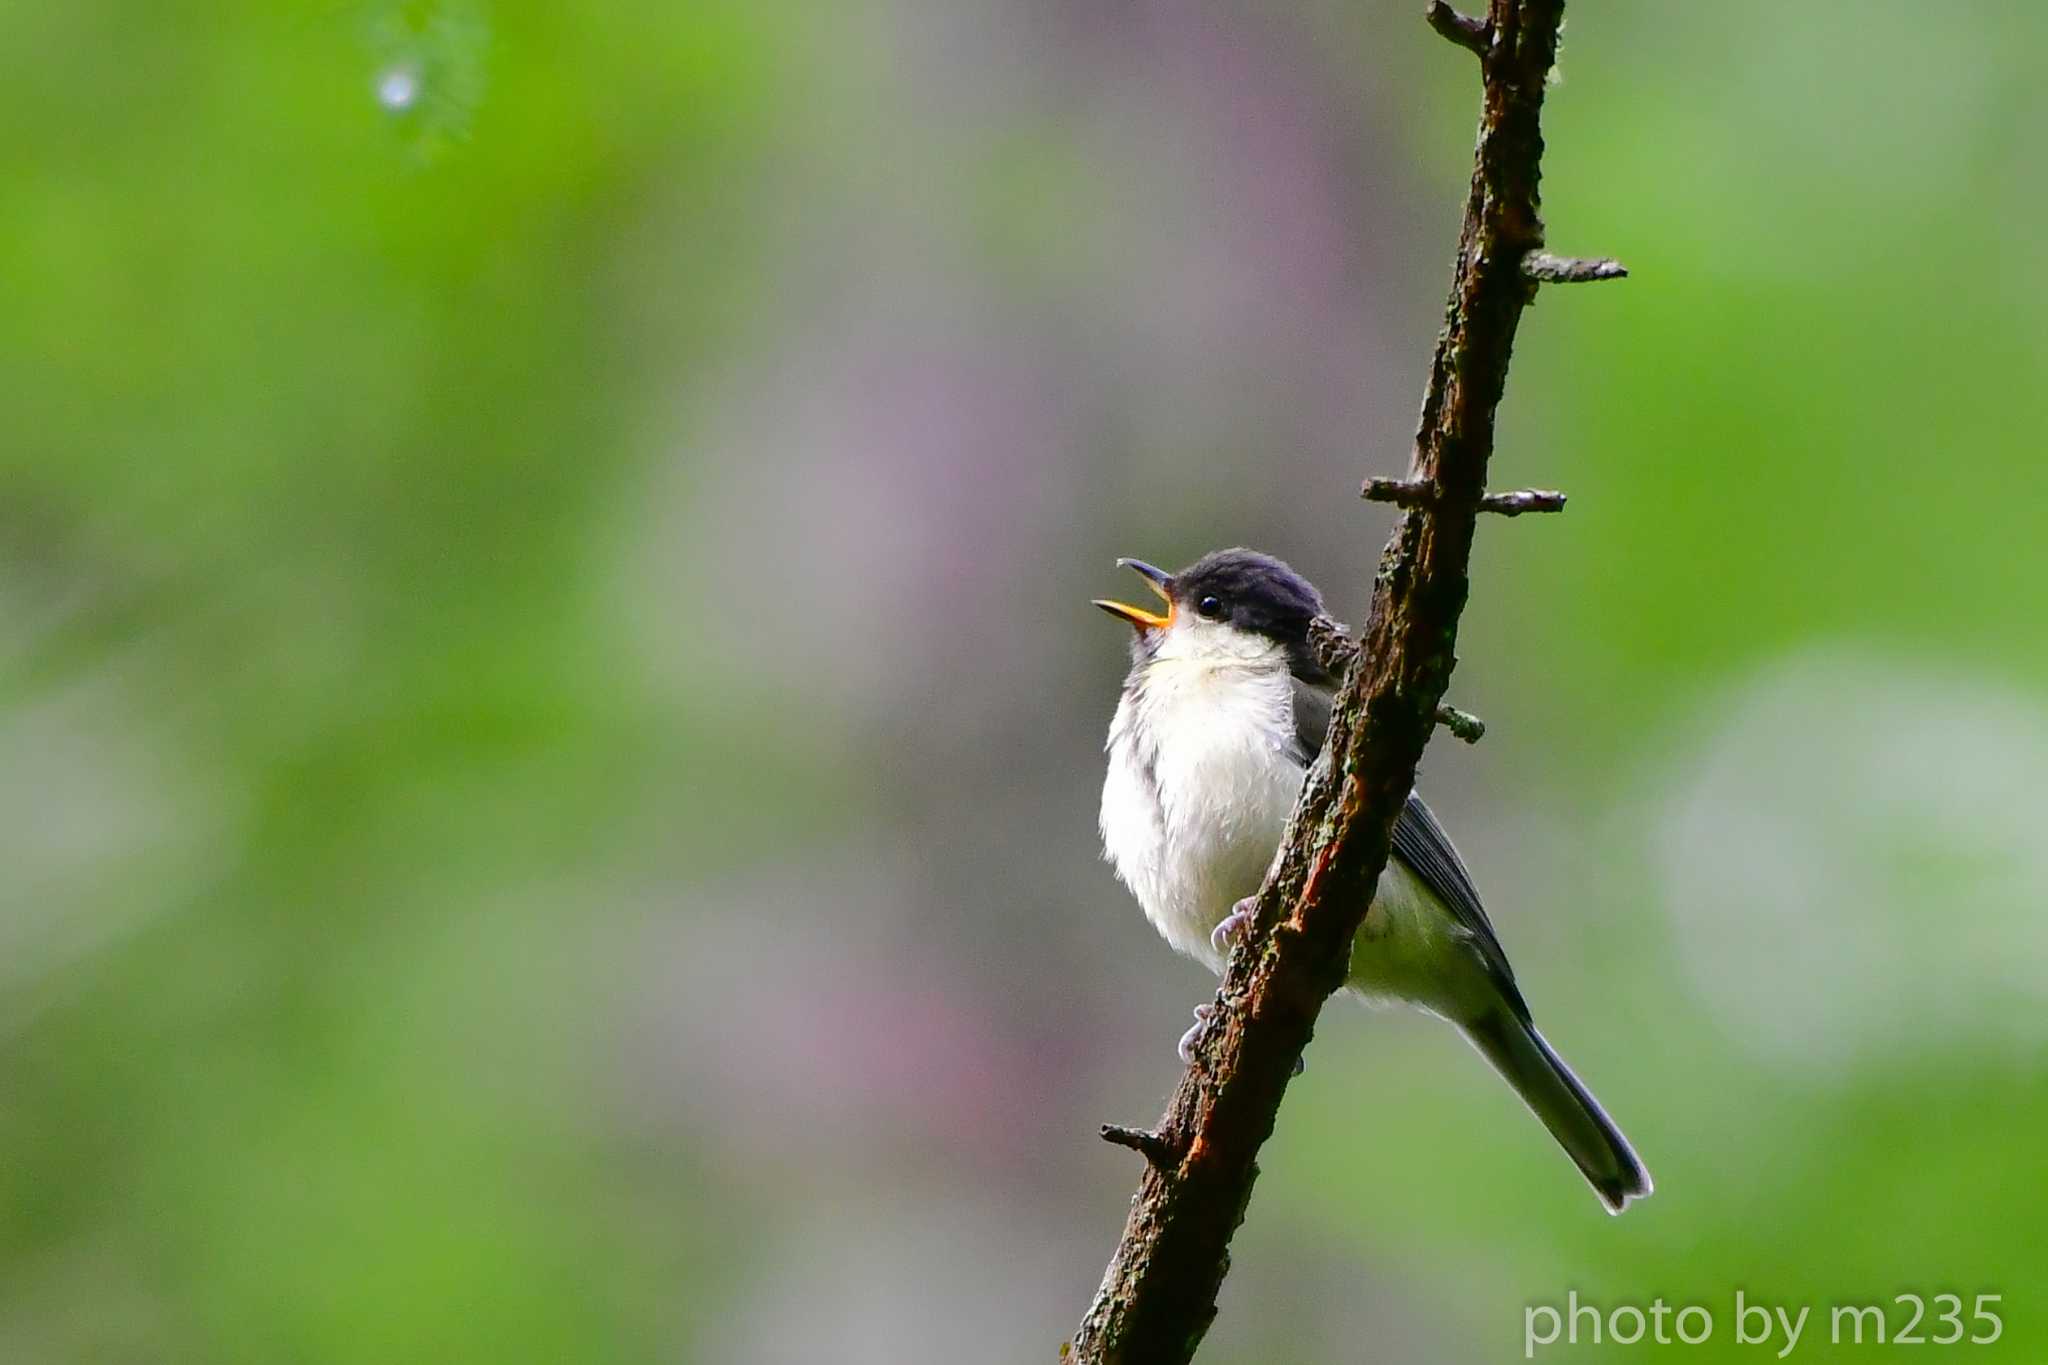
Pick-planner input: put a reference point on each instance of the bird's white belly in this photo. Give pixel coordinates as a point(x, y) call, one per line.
point(1192, 819)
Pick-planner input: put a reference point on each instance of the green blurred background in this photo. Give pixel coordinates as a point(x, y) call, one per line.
point(549, 721)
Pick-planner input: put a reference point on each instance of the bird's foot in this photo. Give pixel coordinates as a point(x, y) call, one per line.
point(1203, 1014)
point(1235, 924)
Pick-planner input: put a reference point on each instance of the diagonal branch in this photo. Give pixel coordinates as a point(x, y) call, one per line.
point(1158, 1295)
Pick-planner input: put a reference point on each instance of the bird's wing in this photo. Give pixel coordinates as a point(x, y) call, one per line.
point(1312, 703)
point(1419, 842)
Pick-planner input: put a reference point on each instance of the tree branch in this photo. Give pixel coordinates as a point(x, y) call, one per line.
point(1156, 1149)
point(1471, 34)
point(1158, 1295)
point(1523, 500)
point(1463, 724)
point(1422, 493)
point(1545, 268)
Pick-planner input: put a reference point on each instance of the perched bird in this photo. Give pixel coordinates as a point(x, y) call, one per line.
point(1224, 709)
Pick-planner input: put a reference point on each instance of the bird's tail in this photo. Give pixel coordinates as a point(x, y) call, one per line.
point(1517, 1051)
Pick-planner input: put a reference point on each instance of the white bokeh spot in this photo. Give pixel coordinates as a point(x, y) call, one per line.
point(398, 88)
point(1854, 860)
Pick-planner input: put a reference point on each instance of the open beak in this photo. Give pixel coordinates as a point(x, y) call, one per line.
point(1160, 582)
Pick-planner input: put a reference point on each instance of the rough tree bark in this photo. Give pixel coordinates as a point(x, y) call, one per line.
point(1158, 1295)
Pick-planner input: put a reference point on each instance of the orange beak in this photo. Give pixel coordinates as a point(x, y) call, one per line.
point(1160, 582)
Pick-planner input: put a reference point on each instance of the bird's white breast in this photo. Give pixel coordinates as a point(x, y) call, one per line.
point(1203, 774)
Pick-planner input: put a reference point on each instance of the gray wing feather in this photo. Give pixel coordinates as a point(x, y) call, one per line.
point(1311, 719)
point(1419, 841)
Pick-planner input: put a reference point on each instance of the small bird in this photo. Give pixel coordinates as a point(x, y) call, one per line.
point(1223, 711)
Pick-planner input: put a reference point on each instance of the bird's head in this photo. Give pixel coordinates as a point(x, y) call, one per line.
point(1229, 605)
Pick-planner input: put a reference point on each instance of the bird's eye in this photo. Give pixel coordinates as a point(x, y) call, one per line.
point(1211, 607)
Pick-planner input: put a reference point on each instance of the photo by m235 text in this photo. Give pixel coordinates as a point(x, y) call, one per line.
point(1906, 1319)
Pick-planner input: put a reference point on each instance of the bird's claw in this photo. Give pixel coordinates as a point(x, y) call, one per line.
point(1203, 1013)
point(1223, 937)
point(1234, 924)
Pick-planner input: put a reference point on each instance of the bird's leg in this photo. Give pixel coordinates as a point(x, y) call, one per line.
point(1234, 925)
point(1203, 1013)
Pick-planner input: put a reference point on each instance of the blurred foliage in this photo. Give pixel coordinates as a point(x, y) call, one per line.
point(547, 732)
point(430, 69)
point(307, 443)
